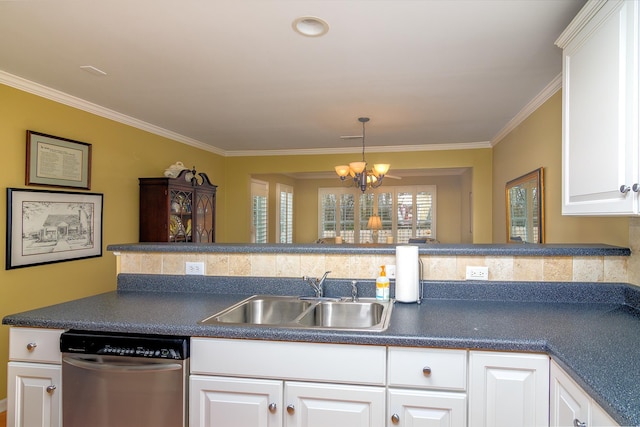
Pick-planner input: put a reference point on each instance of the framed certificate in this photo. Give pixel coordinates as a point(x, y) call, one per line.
point(57, 162)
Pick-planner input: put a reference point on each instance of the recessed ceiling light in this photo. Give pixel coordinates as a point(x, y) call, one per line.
point(93, 70)
point(310, 26)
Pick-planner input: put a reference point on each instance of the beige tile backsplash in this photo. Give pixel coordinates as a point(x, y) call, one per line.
point(501, 268)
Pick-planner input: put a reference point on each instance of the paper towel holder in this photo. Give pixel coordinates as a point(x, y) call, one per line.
point(420, 282)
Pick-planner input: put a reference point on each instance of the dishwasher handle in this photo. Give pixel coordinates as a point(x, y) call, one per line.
point(98, 365)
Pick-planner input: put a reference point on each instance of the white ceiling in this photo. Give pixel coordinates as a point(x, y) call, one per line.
point(232, 75)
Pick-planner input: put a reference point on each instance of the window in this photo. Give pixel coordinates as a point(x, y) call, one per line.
point(259, 211)
point(405, 212)
point(284, 213)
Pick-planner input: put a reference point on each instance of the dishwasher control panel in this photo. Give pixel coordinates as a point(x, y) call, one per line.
point(122, 344)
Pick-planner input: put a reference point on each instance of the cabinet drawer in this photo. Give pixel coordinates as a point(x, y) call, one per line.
point(35, 345)
point(428, 368)
point(339, 363)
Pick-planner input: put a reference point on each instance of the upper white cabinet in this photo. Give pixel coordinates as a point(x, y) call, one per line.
point(600, 156)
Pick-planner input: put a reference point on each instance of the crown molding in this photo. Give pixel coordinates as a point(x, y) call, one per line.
point(533, 105)
point(580, 21)
point(81, 104)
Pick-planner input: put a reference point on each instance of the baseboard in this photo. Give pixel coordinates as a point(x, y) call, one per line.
point(3, 405)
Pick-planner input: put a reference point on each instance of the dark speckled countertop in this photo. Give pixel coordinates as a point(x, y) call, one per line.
point(591, 330)
point(488, 249)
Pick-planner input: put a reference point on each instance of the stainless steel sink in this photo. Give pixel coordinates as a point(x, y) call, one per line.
point(366, 314)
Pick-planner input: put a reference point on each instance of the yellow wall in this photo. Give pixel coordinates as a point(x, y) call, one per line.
point(121, 154)
point(240, 169)
point(537, 142)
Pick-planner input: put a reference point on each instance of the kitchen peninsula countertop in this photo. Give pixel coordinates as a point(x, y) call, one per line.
point(488, 249)
point(591, 330)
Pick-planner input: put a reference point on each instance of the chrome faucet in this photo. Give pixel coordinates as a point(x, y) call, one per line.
point(317, 284)
point(354, 291)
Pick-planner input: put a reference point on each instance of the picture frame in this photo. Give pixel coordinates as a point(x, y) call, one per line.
point(525, 208)
point(57, 162)
point(45, 227)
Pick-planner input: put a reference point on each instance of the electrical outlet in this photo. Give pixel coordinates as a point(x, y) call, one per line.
point(477, 273)
point(391, 271)
point(195, 268)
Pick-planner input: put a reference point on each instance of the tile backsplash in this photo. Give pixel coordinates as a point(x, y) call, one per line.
point(501, 268)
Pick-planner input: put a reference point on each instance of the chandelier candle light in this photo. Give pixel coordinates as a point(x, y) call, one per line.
point(362, 177)
point(374, 224)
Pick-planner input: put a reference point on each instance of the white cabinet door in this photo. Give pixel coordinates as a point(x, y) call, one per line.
point(34, 395)
point(600, 110)
point(418, 408)
point(508, 389)
point(332, 405)
point(237, 402)
point(570, 404)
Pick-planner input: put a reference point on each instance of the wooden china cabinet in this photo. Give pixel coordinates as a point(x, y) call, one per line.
point(181, 209)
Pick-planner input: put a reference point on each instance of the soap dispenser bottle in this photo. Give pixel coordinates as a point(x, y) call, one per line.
point(382, 285)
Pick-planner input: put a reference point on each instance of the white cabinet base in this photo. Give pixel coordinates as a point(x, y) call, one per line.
point(333, 405)
point(237, 402)
point(508, 389)
point(34, 398)
point(570, 403)
point(427, 408)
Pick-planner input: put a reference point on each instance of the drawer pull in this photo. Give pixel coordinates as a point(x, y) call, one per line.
point(291, 409)
point(395, 418)
point(426, 371)
point(51, 389)
point(31, 346)
point(578, 423)
point(272, 408)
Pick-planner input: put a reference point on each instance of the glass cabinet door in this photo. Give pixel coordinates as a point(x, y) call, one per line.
point(180, 219)
point(204, 226)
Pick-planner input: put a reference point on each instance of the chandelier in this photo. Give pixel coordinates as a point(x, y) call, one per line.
point(363, 178)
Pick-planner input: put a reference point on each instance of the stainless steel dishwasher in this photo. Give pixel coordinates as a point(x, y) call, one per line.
point(124, 380)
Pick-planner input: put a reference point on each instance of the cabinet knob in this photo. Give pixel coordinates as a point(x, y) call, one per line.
point(272, 408)
point(395, 418)
point(51, 389)
point(31, 346)
point(426, 371)
point(624, 189)
point(635, 187)
point(578, 423)
point(291, 409)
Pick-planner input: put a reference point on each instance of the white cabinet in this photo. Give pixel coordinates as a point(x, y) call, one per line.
point(34, 396)
point(266, 383)
point(334, 405)
point(238, 402)
point(427, 387)
point(570, 404)
point(508, 389)
point(246, 383)
point(600, 110)
point(34, 378)
point(427, 408)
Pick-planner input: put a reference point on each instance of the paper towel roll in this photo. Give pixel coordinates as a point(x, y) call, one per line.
point(407, 274)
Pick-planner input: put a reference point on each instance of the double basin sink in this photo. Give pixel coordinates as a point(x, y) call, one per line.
point(364, 314)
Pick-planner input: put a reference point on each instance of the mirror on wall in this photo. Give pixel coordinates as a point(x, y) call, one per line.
point(525, 208)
